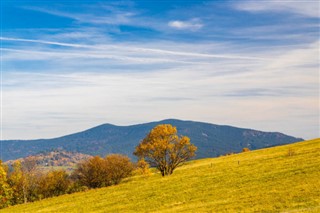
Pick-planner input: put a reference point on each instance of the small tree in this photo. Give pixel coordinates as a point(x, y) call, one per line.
point(54, 183)
point(100, 172)
point(30, 178)
point(5, 189)
point(17, 181)
point(92, 173)
point(164, 149)
point(118, 167)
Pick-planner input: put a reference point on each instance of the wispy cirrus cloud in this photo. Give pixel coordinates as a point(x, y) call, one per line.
point(44, 42)
point(125, 50)
point(308, 8)
point(102, 14)
point(115, 15)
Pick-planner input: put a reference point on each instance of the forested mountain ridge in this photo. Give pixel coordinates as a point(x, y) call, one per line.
point(211, 139)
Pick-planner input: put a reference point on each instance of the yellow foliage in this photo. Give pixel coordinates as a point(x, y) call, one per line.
point(142, 168)
point(164, 149)
point(5, 190)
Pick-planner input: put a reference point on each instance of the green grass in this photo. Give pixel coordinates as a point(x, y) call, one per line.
point(268, 180)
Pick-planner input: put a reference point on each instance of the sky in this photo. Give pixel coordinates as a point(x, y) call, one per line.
point(68, 65)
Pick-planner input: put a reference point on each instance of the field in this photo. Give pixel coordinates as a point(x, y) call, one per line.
point(279, 179)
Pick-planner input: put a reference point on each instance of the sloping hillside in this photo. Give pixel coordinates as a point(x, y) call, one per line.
point(55, 158)
point(212, 140)
point(278, 179)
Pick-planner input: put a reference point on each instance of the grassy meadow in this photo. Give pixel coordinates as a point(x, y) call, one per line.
point(279, 179)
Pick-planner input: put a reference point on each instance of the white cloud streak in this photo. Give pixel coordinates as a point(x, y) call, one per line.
point(193, 24)
point(104, 15)
point(130, 49)
point(109, 15)
point(45, 42)
point(308, 8)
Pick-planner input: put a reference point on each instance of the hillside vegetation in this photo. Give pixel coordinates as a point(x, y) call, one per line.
point(55, 159)
point(279, 179)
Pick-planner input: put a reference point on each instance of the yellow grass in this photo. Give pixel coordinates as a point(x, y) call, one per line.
point(280, 179)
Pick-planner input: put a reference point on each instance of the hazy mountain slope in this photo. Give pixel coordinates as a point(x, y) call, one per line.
point(211, 140)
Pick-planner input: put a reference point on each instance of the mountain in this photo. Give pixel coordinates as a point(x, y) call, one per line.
point(211, 139)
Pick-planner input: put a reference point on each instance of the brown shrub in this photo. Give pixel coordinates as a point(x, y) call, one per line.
point(92, 173)
point(118, 167)
point(99, 172)
point(245, 149)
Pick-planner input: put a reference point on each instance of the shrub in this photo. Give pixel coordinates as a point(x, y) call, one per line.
point(245, 149)
point(142, 168)
point(100, 172)
point(54, 183)
point(118, 167)
point(92, 173)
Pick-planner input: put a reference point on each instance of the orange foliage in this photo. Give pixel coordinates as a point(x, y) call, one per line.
point(164, 149)
point(245, 149)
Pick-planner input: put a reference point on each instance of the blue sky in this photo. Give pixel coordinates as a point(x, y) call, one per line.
point(70, 65)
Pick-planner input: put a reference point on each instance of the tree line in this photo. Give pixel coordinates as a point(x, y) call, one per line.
point(25, 182)
point(162, 148)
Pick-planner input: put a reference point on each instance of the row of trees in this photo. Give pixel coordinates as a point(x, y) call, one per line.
point(25, 182)
point(162, 148)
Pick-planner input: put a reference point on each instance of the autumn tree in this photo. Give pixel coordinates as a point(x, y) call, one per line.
point(92, 173)
point(164, 149)
point(17, 181)
point(118, 167)
point(5, 190)
point(24, 180)
point(53, 183)
point(100, 172)
point(28, 183)
point(30, 178)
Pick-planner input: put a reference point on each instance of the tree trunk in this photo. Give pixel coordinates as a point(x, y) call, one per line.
point(24, 194)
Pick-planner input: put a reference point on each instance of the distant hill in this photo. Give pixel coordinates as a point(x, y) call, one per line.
point(211, 139)
point(56, 158)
